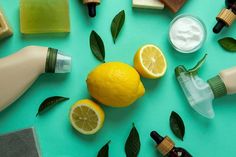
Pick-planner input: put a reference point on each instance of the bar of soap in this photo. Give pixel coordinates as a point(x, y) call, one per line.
point(173, 5)
point(149, 4)
point(44, 16)
point(5, 30)
point(19, 144)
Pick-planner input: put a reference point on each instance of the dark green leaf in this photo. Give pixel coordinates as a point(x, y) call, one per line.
point(132, 145)
point(50, 102)
point(177, 125)
point(104, 151)
point(228, 44)
point(117, 23)
point(97, 46)
point(195, 69)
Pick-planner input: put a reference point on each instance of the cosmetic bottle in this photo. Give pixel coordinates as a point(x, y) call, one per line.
point(167, 147)
point(226, 17)
point(20, 70)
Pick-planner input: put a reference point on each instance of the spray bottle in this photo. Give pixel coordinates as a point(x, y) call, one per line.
point(199, 93)
point(20, 70)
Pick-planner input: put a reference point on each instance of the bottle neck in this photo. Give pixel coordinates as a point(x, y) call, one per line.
point(51, 60)
point(217, 86)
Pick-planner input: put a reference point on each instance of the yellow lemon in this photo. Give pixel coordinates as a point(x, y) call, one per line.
point(86, 116)
point(150, 62)
point(115, 84)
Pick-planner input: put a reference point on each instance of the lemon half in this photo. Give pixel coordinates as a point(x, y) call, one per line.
point(150, 62)
point(86, 117)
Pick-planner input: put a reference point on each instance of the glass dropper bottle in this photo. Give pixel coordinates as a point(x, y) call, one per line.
point(167, 147)
point(226, 17)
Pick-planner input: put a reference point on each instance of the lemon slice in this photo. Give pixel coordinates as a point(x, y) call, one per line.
point(150, 62)
point(86, 117)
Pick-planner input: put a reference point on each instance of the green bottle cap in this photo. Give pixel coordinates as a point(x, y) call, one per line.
point(218, 87)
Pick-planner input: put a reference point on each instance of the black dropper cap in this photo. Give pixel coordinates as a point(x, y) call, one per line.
point(219, 26)
point(156, 137)
point(92, 9)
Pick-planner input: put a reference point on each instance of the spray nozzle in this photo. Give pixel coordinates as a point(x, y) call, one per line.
point(198, 92)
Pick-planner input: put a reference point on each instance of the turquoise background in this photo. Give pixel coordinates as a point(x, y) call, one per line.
point(203, 138)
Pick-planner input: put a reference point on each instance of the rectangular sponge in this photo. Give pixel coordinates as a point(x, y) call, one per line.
point(19, 144)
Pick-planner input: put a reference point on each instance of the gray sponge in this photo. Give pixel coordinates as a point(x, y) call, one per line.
point(21, 143)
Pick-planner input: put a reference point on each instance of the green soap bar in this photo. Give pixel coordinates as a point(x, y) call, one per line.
point(44, 16)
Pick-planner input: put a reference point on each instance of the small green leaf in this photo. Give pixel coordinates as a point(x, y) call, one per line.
point(97, 46)
point(50, 102)
point(228, 44)
point(104, 151)
point(116, 25)
point(195, 69)
point(177, 125)
point(132, 145)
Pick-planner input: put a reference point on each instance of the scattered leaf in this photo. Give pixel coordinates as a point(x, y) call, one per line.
point(104, 151)
point(97, 46)
point(177, 125)
point(195, 69)
point(50, 102)
point(132, 145)
point(116, 25)
point(228, 44)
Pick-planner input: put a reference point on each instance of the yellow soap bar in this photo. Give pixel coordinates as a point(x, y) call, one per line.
point(5, 30)
point(44, 16)
point(148, 4)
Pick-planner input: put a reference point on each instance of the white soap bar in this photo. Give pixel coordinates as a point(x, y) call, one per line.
point(150, 4)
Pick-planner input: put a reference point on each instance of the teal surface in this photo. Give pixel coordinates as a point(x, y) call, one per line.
point(203, 138)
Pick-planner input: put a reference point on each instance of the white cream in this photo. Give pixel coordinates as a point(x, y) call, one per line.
point(187, 34)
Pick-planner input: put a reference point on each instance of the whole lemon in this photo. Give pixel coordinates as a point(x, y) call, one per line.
point(115, 84)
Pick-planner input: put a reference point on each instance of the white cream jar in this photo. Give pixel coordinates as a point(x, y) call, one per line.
point(187, 33)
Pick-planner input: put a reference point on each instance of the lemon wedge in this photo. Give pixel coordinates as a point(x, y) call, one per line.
point(150, 62)
point(86, 117)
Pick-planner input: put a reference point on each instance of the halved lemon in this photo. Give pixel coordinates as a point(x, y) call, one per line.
point(150, 62)
point(86, 117)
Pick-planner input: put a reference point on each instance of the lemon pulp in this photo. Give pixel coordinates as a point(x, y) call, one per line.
point(150, 62)
point(86, 116)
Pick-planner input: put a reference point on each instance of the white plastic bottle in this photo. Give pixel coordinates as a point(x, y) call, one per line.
point(20, 70)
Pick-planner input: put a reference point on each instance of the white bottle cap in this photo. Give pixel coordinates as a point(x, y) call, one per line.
point(63, 63)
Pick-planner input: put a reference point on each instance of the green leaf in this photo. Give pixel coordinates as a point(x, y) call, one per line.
point(49, 102)
point(132, 145)
point(116, 25)
point(195, 69)
point(104, 151)
point(177, 125)
point(97, 46)
point(228, 44)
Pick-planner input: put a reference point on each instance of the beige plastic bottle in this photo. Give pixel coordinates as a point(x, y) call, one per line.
point(224, 83)
point(229, 78)
point(20, 70)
